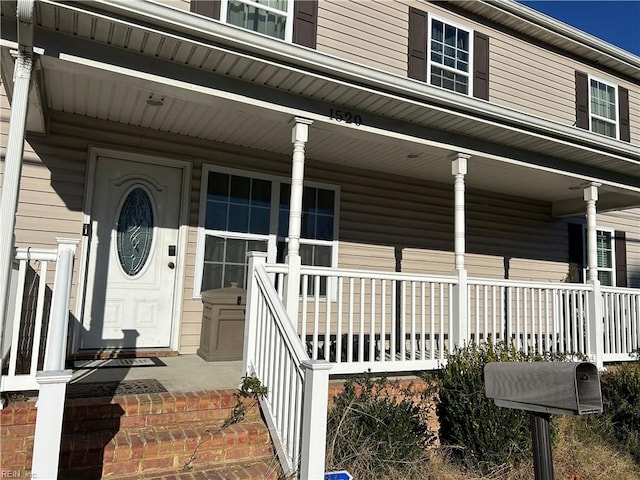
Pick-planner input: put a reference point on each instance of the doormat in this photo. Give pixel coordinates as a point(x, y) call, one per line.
point(114, 389)
point(119, 363)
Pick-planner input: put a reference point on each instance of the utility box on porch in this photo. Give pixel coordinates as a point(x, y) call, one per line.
point(222, 332)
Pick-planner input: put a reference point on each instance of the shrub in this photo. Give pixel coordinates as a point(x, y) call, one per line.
point(621, 400)
point(376, 429)
point(480, 435)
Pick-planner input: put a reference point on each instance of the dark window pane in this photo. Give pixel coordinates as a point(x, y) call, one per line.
point(285, 195)
point(261, 193)
point(259, 220)
point(281, 254)
point(283, 223)
point(236, 251)
point(606, 278)
point(308, 229)
point(238, 218)
point(256, 246)
point(450, 35)
point(218, 188)
point(214, 249)
point(216, 216)
point(234, 274)
point(448, 84)
point(306, 254)
point(240, 187)
point(324, 228)
point(211, 276)
point(436, 30)
point(463, 40)
point(309, 199)
point(326, 200)
point(322, 256)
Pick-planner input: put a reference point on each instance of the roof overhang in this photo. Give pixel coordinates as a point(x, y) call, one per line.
point(133, 49)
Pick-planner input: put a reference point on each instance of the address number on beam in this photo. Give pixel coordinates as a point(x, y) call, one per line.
point(345, 116)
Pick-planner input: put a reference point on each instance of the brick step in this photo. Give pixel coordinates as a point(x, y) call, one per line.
point(267, 469)
point(134, 450)
point(106, 413)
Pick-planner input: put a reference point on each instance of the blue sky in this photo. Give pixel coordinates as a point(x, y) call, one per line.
point(614, 21)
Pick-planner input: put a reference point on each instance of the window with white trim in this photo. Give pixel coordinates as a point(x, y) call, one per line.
point(269, 17)
point(606, 254)
point(450, 48)
point(603, 110)
point(242, 212)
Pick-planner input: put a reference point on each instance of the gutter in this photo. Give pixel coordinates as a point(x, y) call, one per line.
point(197, 28)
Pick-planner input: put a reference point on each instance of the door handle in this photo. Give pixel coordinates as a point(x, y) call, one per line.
point(171, 265)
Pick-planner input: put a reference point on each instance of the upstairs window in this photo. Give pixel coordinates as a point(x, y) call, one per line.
point(449, 56)
point(602, 108)
point(293, 21)
point(269, 17)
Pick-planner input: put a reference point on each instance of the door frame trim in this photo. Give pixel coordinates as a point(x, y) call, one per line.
point(94, 152)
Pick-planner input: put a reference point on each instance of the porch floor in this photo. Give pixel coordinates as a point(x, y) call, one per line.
point(183, 373)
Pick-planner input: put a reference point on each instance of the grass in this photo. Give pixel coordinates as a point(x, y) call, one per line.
point(577, 455)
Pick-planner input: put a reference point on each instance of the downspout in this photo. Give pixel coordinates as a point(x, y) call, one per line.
point(15, 147)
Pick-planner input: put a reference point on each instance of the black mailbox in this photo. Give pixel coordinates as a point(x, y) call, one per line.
point(566, 388)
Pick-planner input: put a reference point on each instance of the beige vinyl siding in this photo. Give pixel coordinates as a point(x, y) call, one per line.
point(627, 221)
point(523, 76)
point(372, 33)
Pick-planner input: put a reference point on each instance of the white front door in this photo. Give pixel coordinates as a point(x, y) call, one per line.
point(132, 259)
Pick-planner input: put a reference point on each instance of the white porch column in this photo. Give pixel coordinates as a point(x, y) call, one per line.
point(460, 321)
point(591, 197)
point(13, 171)
point(596, 311)
point(299, 136)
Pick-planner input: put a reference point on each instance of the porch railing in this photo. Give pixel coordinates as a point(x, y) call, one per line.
point(27, 321)
point(359, 321)
point(34, 337)
point(296, 403)
point(374, 321)
point(534, 317)
point(621, 310)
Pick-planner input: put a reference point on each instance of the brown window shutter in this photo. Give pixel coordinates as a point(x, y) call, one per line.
point(417, 61)
point(481, 66)
point(576, 253)
point(582, 100)
point(623, 114)
point(208, 8)
point(621, 258)
point(305, 22)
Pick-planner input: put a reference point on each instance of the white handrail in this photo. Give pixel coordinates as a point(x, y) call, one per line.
point(56, 332)
point(295, 406)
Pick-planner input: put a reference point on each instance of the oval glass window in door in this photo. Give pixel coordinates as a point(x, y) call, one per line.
point(135, 231)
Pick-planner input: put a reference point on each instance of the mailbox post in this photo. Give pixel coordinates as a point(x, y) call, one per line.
point(542, 389)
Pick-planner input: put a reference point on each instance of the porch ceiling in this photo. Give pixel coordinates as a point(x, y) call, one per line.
point(100, 67)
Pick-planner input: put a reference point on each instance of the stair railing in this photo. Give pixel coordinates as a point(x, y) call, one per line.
point(44, 368)
point(295, 407)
